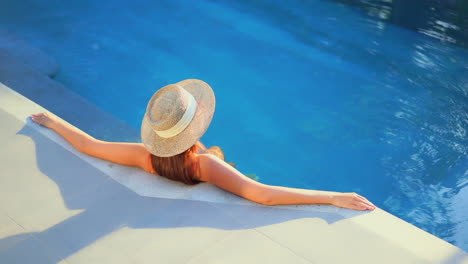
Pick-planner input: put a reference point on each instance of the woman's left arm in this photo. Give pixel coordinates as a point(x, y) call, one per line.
point(130, 154)
point(219, 173)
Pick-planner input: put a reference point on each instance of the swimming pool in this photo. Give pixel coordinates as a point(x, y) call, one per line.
point(310, 95)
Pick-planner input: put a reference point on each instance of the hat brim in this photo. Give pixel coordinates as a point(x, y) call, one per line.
point(167, 147)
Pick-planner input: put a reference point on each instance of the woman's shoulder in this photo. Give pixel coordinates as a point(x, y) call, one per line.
point(205, 164)
point(209, 163)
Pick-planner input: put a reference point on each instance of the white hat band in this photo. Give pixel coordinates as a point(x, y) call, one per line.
point(184, 121)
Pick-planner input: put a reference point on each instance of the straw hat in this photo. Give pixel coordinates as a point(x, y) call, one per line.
point(177, 116)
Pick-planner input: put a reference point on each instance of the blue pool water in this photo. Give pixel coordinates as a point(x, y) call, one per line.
point(310, 94)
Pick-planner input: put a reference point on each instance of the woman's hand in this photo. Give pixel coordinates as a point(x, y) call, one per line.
point(352, 201)
point(46, 119)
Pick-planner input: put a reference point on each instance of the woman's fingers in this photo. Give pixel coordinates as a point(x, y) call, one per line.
point(34, 117)
point(359, 207)
point(353, 201)
point(358, 202)
point(43, 119)
point(367, 205)
point(38, 118)
point(362, 200)
point(366, 202)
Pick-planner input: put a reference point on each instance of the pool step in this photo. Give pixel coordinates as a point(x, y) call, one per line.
point(33, 82)
point(28, 55)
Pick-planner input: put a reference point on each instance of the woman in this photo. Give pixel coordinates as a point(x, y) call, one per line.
point(176, 117)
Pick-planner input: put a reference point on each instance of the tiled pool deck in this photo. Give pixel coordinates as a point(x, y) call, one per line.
point(60, 206)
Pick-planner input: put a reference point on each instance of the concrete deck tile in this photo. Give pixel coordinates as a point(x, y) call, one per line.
point(249, 216)
point(26, 249)
point(129, 228)
point(99, 219)
point(182, 230)
point(10, 229)
point(247, 246)
point(50, 188)
point(115, 208)
point(328, 238)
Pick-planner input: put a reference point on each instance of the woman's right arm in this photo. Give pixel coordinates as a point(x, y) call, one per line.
point(73, 135)
point(228, 178)
point(130, 154)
